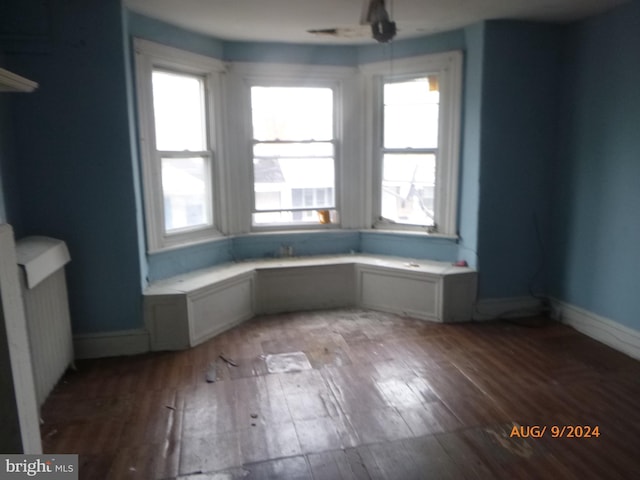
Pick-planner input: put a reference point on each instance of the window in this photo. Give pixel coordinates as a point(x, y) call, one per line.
point(294, 155)
point(409, 150)
point(176, 114)
point(305, 147)
point(416, 117)
point(181, 143)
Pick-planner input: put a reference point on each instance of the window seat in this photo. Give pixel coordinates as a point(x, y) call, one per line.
point(186, 310)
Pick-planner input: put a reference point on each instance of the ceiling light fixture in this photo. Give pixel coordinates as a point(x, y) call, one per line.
point(382, 27)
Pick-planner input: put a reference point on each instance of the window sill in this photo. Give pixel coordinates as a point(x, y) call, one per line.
point(306, 228)
point(394, 230)
point(210, 236)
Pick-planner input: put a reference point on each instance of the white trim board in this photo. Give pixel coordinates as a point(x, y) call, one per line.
point(111, 344)
point(512, 307)
point(11, 82)
point(605, 330)
point(16, 382)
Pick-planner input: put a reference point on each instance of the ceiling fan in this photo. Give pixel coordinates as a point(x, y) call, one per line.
point(374, 14)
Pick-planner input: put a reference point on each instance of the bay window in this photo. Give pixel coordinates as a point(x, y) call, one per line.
point(306, 147)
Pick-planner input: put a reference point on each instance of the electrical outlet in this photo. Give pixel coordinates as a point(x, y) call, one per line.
point(286, 251)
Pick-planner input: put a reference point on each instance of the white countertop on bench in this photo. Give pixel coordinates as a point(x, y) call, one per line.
point(197, 279)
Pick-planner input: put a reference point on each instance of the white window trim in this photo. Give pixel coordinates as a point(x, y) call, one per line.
point(449, 67)
point(243, 76)
point(150, 55)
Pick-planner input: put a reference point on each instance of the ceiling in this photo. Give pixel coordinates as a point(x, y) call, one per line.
point(289, 20)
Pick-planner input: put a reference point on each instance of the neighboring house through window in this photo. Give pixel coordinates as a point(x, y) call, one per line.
point(294, 151)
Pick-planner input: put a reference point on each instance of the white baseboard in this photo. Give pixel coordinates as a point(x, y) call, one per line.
point(605, 330)
point(512, 307)
point(111, 344)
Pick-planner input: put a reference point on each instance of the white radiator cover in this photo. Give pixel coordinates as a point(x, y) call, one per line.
point(44, 291)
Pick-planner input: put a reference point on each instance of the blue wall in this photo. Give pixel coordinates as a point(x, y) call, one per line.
point(597, 189)
point(409, 245)
point(469, 186)
point(172, 262)
point(288, 53)
point(303, 243)
point(518, 141)
point(6, 150)
point(73, 160)
point(167, 34)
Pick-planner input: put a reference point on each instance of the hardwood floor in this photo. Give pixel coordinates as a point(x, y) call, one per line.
point(374, 396)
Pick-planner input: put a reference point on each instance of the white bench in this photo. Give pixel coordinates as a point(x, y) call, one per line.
point(186, 310)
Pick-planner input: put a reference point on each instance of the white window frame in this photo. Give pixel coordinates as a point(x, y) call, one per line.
point(335, 89)
point(248, 75)
point(448, 66)
point(150, 56)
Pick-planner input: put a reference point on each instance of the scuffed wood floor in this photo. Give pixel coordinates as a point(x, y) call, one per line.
point(380, 396)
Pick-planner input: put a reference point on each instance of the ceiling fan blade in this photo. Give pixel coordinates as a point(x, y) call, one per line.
point(360, 31)
point(374, 17)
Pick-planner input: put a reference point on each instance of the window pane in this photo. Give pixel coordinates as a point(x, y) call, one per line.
point(178, 104)
point(186, 192)
point(293, 163)
point(408, 188)
point(411, 113)
point(312, 197)
point(293, 217)
point(315, 149)
point(292, 113)
point(294, 180)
